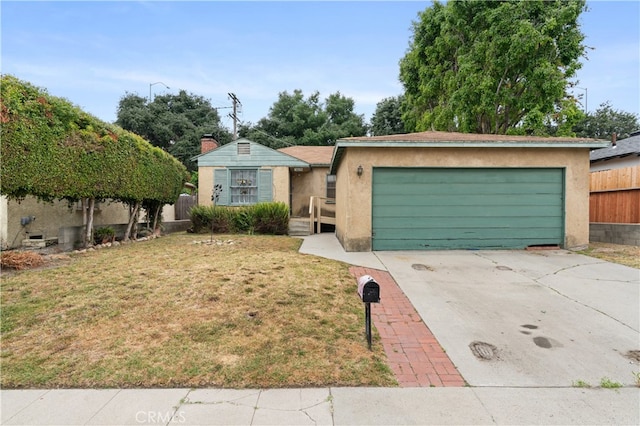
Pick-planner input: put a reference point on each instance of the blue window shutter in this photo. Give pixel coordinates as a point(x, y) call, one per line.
point(265, 191)
point(220, 177)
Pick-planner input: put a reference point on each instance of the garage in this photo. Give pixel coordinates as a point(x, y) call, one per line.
point(423, 208)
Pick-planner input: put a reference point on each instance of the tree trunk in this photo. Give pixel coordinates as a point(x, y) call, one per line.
point(134, 230)
point(133, 215)
point(155, 218)
point(83, 206)
point(88, 205)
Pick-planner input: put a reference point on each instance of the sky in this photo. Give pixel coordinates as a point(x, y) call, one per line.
point(94, 53)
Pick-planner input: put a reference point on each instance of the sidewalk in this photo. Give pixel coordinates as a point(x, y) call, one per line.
point(323, 406)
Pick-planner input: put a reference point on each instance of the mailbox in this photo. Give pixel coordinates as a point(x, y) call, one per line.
point(368, 289)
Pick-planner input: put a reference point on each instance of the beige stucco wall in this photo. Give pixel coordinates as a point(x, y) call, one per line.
point(168, 213)
point(280, 182)
point(353, 193)
point(52, 216)
point(308, 184)
point(205, 185)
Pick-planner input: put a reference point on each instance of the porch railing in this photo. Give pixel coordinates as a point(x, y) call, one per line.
point(315, 215)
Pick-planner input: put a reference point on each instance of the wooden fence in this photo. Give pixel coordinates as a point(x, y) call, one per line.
point(182, 206)
point(615, 196)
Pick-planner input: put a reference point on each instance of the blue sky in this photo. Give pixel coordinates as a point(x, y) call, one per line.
point(93, 53)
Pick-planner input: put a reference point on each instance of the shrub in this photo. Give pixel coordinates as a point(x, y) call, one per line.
point(223, 222)
point(104, 234)
point(261, 218)
point(244, 219)
point(202, 218)
point(271, 218)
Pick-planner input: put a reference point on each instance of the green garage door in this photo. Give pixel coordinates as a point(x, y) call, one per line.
point(456, 208)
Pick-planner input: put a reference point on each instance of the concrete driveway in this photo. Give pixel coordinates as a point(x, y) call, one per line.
point(519, 318)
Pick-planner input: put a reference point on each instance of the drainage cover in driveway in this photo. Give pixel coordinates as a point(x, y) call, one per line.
point(484, 351)
point(421, 267)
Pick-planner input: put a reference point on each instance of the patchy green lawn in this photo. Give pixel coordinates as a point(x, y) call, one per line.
point(245, 311)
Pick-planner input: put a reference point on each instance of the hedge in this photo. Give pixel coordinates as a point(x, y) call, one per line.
point(53, 150)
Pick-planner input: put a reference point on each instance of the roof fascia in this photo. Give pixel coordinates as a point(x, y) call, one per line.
point(341, 145)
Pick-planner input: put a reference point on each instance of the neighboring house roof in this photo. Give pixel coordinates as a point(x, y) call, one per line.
point(622, 148)
point(250, 154)
point(459, 140)
point(314, 155)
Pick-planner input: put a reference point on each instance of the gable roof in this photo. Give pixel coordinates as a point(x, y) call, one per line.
point(623, 148)
point(314, 155)
point(253, 155)
point(459, 140)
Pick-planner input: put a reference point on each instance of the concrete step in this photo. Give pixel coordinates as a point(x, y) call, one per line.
point(299, 227)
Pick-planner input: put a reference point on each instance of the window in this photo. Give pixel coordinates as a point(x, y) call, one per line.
point(331, 187)
point(241, 187)
point(244, 187)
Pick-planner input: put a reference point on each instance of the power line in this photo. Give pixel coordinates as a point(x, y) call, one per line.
point(274, 138)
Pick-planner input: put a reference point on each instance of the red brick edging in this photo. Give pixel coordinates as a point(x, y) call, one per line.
point(414, 354)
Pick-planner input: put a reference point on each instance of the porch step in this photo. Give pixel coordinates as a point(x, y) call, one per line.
point(298, 227)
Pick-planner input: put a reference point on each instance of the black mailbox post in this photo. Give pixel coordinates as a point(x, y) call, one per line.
point(369, 291)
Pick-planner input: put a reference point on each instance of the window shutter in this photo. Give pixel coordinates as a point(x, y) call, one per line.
point(220, 177)
point(265, 192)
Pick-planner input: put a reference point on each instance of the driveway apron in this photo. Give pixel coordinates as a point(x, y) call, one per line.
point(521, 318)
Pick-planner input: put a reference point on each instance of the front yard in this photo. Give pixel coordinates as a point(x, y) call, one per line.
point(180, 311)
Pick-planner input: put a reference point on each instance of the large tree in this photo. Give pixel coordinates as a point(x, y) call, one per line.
point(387, 118)
point(605, 121)
point(490, 66)
point(296, 120)
point(174, 123)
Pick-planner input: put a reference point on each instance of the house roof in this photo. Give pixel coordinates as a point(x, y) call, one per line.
point(314, 155)
point(452, 137)
point(459, 140)
point(254, 155)
point(623, 148)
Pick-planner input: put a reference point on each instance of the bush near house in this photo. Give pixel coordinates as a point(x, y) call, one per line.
point(262, 218)
point(104, 234)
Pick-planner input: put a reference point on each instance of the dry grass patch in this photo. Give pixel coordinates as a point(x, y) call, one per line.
point(20, 260)
point(616, 253)
point(247, 311)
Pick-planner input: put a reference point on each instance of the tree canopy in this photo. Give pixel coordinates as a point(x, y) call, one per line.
point(174, 123)
point(53, 150)
point(296, 120)
point(387, 118)
point(490, 67)
point(605, 121)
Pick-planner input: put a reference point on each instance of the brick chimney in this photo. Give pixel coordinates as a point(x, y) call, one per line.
point(207, 143)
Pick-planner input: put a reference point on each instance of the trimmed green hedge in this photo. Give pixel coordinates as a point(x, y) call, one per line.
point(262, 218)
point(53, 150)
